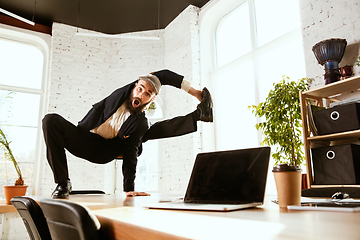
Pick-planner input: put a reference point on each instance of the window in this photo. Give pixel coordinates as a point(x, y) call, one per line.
point(147, 172)
point(275, 18)
point(256, 42)
point(21, 93)
point(233, 36)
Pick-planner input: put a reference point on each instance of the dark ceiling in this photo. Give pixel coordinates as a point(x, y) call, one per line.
point(106, 16)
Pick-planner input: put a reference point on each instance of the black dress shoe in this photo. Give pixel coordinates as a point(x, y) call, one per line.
point(205, 107)
point(62, 190)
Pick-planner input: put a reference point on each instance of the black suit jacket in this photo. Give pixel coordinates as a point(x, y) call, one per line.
point(133, 129)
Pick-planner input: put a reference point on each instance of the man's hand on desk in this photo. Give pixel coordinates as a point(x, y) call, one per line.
point(134, 194)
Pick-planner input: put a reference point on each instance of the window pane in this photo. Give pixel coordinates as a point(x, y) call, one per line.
point(23, 143)
point(147, 171)
point(19, 109)
point(235, 124)
point(289, 59)
point(275, 18)
point(21, 65)
point(233, 37)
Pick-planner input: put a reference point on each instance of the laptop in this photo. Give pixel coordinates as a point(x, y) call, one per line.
point(224, 181)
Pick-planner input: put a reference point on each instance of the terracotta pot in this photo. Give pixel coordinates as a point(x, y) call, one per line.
point(288, 185)
point(14, 191)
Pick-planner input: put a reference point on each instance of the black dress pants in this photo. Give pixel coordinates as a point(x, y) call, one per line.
point(60, 134)
point(174, 127)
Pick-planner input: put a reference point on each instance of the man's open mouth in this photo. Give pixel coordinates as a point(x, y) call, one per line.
point(136, 102)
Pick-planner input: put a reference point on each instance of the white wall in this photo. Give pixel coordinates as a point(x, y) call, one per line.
point(84, 70)
point(181, 55)
point(324, 19)
point(78, 67)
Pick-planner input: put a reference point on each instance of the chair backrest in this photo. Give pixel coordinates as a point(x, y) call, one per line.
point(32, 217)
point(69, 220)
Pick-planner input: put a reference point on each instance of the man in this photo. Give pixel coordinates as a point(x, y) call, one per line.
point(116, 127)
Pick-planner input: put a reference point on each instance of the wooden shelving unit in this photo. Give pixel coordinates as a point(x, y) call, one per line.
point(318, 95)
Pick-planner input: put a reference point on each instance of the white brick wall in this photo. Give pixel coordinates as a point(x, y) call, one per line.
point(79, 70)
point(324, 19)
point(86, 69)
point(131, 58)
point(181, 55)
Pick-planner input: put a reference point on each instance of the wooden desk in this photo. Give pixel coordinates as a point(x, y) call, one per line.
point(94, 202)
point(125, 218)
point(132, 221)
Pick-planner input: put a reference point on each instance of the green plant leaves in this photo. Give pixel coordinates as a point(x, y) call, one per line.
point(283, 126)
point(5, 144)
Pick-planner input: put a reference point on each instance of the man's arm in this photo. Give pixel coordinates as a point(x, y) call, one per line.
point(195, 93)
point(102, 110)
point(168, 77)
point(131, 142)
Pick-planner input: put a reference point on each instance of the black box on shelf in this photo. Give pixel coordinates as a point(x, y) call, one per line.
point(336, 165)
point(337, 119)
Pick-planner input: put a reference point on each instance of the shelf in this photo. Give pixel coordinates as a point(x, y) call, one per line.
point(335, 88)
point(327, 91)
point(336, 136)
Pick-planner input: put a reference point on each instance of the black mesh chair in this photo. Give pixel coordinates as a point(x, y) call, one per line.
point(69, 220)
point(32, 217)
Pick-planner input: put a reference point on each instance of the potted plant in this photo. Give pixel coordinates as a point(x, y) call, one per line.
point(282, 128)
point(18, 189)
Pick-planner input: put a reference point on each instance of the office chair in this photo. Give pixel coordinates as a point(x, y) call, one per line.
point(69, 220)
point(32, 217)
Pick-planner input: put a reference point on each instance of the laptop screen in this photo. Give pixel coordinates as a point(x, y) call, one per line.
point(229, 177)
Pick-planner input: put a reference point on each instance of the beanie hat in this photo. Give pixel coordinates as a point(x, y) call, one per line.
point(153, 80)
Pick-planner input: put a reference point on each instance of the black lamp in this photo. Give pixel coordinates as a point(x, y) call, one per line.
point(329, 53)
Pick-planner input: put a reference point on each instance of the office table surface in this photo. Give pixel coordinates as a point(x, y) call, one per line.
point(132, 221)
point(125, 218)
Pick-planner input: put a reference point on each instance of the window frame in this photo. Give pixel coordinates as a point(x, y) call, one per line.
point(209, 19)
point(43, 43)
